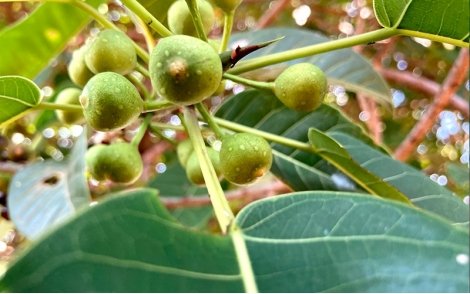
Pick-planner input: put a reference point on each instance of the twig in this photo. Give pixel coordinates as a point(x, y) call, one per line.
point(424, 86)
point(247, 194)
point(454, 79)
point(271, 14)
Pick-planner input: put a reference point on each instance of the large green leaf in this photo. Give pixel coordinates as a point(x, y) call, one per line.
point(342, 242)
point(17, 95)
point(421, 190)
point(46, 193)
point(300, 170)
point(128, 243)
point(30, 44)
point(437, 17)
point(303, 242)
point(331, 151)
point(342, 67)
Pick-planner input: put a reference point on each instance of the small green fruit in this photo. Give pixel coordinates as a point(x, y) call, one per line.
point(185, 70)
point(181, 22)
point(183, 151)
point(69, 96)
point(193, 168)
point(227, 5)
point(110, 102)
point(301, 87)
point(78, 71)
point(244, 158)
point(119, 162)
point(111, 50)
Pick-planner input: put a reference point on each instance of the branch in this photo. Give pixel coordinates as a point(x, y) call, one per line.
point(271, 14)
point(248, 194)
point(454, 79)
point(424, 86)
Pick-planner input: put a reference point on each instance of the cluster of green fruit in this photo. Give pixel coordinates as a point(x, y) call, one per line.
point(184, 70)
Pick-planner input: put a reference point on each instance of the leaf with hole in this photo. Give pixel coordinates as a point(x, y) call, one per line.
point(45, 193)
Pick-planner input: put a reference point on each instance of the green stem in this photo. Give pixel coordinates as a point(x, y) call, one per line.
point(222, 209)
point(167, 126)
point(57, 106)
point(228, 25)
point(147, 17)
point(138, 83)
point(107, 24)
point(255, 84)
point(155, 105)
point(197, 20)
point(142, 70)
point(209, 119)
point(271, 59)
point(156, 131)
point(432, 37)
point(141, 131)
point(268, 136)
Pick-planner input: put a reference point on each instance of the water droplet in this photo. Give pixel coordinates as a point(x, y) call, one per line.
point(237, 169)
point(242, 147)
point(179, 52)
point(230, 149)
point(198, 72)
point(159, 64)
point(105, 40)
point(462, 259)
point(256, 148)
point(117, 90)
point(167, 53)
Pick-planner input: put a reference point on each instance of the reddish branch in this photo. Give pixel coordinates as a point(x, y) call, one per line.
point(424, 86)
point(272, 13)
point(454, 80)
point(246, 194)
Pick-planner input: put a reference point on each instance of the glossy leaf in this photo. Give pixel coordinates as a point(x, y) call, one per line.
point(331, 151)
point(17, 95)
point(128, 243)
point(421, 190)
point(45, 193)
point(342, 67)
point(193, 217)
point(29, 45)
point(344, 242)
point(438, 17)
point(300, 170)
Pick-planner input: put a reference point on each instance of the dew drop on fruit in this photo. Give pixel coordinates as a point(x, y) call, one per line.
point(167, 53)
point(198, 72)
point(256, 148)
point(117, 90)
point(242, 147)
point(159, 64)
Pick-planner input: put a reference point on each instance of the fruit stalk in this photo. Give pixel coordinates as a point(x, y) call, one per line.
point(255, 84)
point(228, 25)
point(222, 209)
point(141, 131)
point(147, 17)
point(209, 120)
point(57, 106)
point(194, 10)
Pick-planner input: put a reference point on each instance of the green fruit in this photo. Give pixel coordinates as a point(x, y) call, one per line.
point(193, 168)
point(227, 5)
point(185, 70)
point(69, 96)
point(183, 151)
point(301, 87)
point(110, 102)
point(78, 71)
point(111, 50)
point(244, 158)
point(181, 22)
point(119, 162)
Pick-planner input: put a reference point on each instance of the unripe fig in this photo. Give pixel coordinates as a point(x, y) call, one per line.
point(185, 70)
point(78, 71)
point(183, 151)
point(118, 162)
point(111, 50)
point(193, 168)
point(181, 22)
point(301, 87)
point(227, 5)
point(110, 102)
point(244, 158)
point(69, 96)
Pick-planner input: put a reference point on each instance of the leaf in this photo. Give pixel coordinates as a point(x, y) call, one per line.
point(157, 8)
point(334, 153)
point(17, 95)
point(46, 31)
point(300, 170)
point(345, 242)
point(127, 243)
point(421, 190)
point(193, 217)
point(343, 67)
point(302, 242)
point(46, 193)
point(438, 17)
